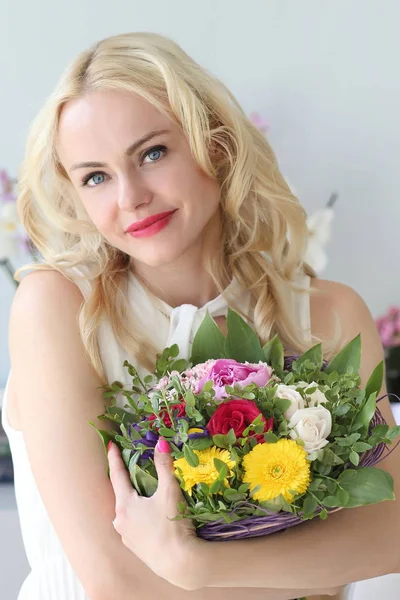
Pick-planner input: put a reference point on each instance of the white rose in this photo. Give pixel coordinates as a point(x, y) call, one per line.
point(288, 392)
point(316, 398)
point(312, 425)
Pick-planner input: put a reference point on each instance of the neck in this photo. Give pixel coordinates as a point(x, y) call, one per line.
point(179, 283)
point(185, 281)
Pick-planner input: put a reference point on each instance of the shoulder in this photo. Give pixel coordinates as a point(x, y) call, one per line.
point(46, 306)
point(44, 295)
point(339, 314)
point(44, 287)
point(336, 305)
point(45, 343)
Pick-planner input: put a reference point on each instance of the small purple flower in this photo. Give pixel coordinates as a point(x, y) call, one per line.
point(150, 440)
point(197, 433)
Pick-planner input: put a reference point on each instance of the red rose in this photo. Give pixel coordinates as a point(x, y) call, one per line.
point(177, 410)
point(237, 415)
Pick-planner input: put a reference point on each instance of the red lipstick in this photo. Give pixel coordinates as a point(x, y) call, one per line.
point(151, 225)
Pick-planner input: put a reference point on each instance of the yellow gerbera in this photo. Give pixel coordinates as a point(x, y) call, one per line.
point(279, 469)
point(205, 471)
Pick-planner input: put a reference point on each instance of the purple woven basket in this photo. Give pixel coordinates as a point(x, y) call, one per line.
point(272, 523)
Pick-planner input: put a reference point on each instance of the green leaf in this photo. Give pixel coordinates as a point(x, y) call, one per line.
point(231, 495)
point(331, 486)
point(364, 417)
point(342, 496)
point(313, 355)
point(349, 356)
point(133, 434)
point(330, 501)
point(274, 353)
point(215, 486)
point(219, 465)
point(231, 437)
point(191, 457)
point(166, 432)
point(208, 517)
point(393, 432)
point(380, 430)
point(342, 409)
point(200, 443)
point(208, 386)
point(374, 384)
point(144, 483)
point(244, 488)
point(242, 343)
point(126, 455)
point(204, 488)
point(361, 447)
point(329, 458)
point(182, 506)
point(174, 351)
point(282, 404)
point(179, 365)
point(105, 436)
point(347, 476)
point(354, 458)
point(309, 505)
point(220, 440)
point(367, 485)
point(190, 400)
point(208, 342)
point(270, 437)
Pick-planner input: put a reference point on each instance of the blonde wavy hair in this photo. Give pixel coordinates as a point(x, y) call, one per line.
point(264, 226)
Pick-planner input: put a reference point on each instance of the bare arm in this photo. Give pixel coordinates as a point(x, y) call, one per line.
point(351, 545)
point(57, 393)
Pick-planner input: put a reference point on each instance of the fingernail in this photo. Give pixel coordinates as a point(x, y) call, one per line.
point(163, 446)
point(109, 445)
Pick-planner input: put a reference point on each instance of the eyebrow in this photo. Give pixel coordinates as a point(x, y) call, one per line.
point(128, 152)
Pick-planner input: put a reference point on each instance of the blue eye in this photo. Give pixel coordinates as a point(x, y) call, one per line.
point(93, 179)
point(154, 154)
point(99, 178)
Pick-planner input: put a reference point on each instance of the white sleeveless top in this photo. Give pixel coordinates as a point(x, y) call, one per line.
point(51, 576)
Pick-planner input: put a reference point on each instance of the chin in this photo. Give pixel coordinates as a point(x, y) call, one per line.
point(159, 257)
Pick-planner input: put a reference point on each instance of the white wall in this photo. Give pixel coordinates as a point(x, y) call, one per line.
point(325, 73)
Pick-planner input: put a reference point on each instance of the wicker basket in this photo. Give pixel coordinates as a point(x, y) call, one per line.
point(272, 523)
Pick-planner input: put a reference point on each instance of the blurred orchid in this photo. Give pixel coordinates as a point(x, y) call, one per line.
point(13, 237)
point(259, 122)
point(319, 230)
point(389, 327)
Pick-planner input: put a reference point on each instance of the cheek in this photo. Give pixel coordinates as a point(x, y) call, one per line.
point(100, 212)
point(206, 197)
point(196, 189)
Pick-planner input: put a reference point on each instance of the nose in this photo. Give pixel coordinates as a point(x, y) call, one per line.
point(132, 193)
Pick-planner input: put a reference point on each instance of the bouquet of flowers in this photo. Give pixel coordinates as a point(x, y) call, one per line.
point(260, 441)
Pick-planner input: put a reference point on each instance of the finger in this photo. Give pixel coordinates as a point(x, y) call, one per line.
point(119, 477)
point(165, 469)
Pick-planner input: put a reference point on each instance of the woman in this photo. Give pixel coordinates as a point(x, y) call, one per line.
point(149, 194)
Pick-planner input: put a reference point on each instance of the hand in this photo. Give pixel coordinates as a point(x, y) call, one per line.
point(169, 548)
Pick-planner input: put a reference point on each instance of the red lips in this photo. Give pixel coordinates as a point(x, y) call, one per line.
point(148, 221)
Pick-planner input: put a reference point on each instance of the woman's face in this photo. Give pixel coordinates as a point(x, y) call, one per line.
point(136, 177)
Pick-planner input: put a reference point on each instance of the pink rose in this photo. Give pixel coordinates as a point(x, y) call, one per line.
point(226, 371)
